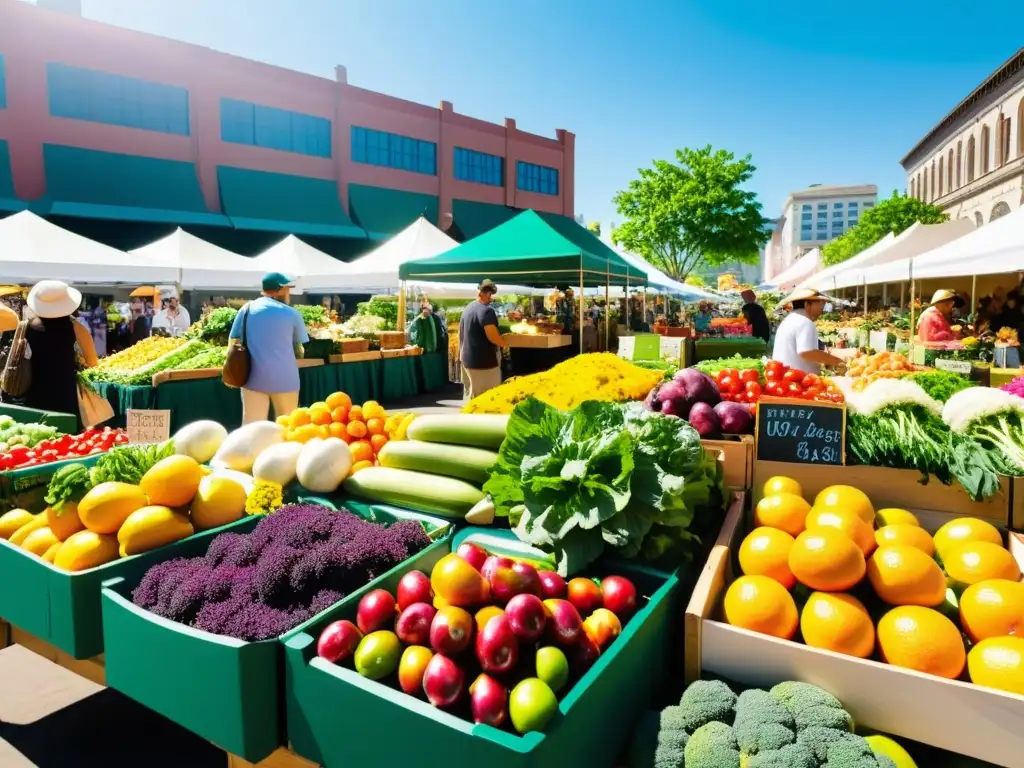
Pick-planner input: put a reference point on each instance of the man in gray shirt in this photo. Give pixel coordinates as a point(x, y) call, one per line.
point(479, 343)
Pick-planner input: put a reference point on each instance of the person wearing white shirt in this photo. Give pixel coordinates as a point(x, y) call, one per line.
point(174, 319)
point(796, 340)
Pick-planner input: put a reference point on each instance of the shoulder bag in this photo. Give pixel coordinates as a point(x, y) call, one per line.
point(17, 373)
point(238, 362)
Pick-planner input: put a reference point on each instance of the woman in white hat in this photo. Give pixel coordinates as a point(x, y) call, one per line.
point(796, 341)
point(52, 335)
point(934, 324)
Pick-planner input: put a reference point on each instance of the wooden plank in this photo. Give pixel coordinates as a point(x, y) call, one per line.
point(739, 459)
point(199, 373)
point(33, 643)
point(281, 758)
point(389, 353)
point(310, 362)
point(537, 341)
point(92, 669)
point(355, 357)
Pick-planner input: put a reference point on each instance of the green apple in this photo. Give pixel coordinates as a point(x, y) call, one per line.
point(532, 705)
point(552, 667)
point(377, 654)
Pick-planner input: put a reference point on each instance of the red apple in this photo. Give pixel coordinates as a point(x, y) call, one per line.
point(526, 615)
point(489, 701)
point(338, 641)
point(411, 668)
point(552, 586)
point(414, 587)
point(451, 630)
point(602, 626)
point(509, 578)
point(619, 596)
point(497, 648)
point(585, 595)
point(473, 554)
point(442, 681)
point(582, 655)
point(564, 624)
point(376, 611)
point(413, 624)
point(484, 615)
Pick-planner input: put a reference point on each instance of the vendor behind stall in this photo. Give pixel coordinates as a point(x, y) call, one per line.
point(427, 330)
point(173, 318)
point(934, 324)
point(702, 320)
point(755, 316)
point(796, 341)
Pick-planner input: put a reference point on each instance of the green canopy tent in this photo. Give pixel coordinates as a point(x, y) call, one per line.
point(534, 249)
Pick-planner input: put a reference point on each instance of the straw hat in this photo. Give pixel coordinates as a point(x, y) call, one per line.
point(942, 295)
point(50, 299)
point(805, 294)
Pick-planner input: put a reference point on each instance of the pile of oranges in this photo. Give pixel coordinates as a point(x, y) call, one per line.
point(844, 578)
point(366, 428)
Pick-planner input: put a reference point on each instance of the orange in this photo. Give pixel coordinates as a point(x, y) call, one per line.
point(291, 436)
point(355, 413)
point(908, 535)
point(338, 400)
point(361, 451)
point(998, 663)
point(785, 511)
point(319, 415)
point(319, 405)
point(375, 426)
point(904, 575)
point(299, 417)
point(992, 608)
point(963, 530)
point(339, 415)
point(761, 604)
point(921, 639)
point(337, 430)
point(779, 484)
point(66, 522)
point(895, 516)
point(846, 521)
point(374, 410)
point(361, 465)
point(323, 431)
point(378, 442)
point(980, 560)
point(846, 497)
point(838, 622)
point(356, 429)
point(765, 552)
point(826, 559)
point(284, 421)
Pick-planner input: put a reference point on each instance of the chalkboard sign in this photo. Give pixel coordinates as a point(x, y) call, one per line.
point(800, 432)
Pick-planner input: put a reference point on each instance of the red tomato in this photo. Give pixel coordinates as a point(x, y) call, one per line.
point(776, 389)
point(725, 384)
point(774, 370)
point(753, 386)
point(793, 389)
point(837, 397)
point(750, 374)
point(721, 374)
point(751, 396)
point(726, 397)
point(812, 392)
point(794, 375)
point(812, 380)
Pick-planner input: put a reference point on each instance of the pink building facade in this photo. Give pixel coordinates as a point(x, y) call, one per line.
point(99, 122)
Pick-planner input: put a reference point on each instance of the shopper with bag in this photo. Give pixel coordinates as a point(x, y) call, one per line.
point(265, 344)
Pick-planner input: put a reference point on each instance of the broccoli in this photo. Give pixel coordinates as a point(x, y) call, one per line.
point(707, 701)
point(788, 756)
point(762, 724)
point(712, 746)
point(672, 738)
point(851, 752)
point(811, 706)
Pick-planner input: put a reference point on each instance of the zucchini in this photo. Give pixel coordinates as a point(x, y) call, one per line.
point(461, 461)
point(433, 494)
point(476, 429)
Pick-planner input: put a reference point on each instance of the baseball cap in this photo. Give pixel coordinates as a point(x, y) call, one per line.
point(487, 285)
point(275, 281)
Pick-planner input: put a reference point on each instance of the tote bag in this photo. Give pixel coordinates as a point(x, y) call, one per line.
point(92, 408)
point(238, 362)
point(17, 372)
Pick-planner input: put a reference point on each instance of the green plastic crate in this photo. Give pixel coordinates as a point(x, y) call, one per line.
point(338, 718)
point(64, 422)
point(228, 691)
point(25, 488)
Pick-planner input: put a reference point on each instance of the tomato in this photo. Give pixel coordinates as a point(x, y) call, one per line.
point(774, 370)
point(751, 396)
point(725, 384)
point(793, 375)
point(776, 390)
point(752, 409)
point(812, 392)
point(812, 380)
point(750, 374)
point(837, 397)
point(753, 386)
point(793, 389)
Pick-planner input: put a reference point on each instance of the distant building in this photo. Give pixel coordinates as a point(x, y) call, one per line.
point(972, 163)
point(811, 218)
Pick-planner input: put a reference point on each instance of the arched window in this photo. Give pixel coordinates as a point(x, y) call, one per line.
point(998, 211)
point(942, 176)
point(959, 161)
point(924, 193)
point(949, 171)
point(1004, 141)
point(931, 189)
point(920, 189)
point(970, 160)
point(986, 152)
point(912, 189)
point(978, 219)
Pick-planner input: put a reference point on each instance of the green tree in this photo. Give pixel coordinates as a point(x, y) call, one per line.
point(595, 227)
point(692, 211)
point(696, 281)
point(897, 214)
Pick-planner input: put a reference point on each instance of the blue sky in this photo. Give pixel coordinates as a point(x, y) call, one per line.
point(832, 91)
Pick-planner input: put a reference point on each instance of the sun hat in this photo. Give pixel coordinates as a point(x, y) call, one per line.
point(805, 294)
point(941, 295)
point(275, 281)
point(50, 299)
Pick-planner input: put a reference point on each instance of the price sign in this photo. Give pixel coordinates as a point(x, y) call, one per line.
point(800, 432)
point(963, 367)
point(148, 426)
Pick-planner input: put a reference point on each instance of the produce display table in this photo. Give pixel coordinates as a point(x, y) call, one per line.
point(714, 348)
point(433, 371)
point(527, 360)
point(398, 379)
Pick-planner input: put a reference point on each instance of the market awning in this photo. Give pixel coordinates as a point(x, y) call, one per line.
point(203, 265)
point(535, 249)
point(89, 184)
point(659, 281)
point(386, 212)
point(278, 202)
point(8, 200)
point(473, 219)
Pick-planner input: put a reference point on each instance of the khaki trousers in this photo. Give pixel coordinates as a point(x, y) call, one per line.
point(480, 380)
point(256, 405)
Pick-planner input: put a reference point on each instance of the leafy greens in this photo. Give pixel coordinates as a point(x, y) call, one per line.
point(605, 475)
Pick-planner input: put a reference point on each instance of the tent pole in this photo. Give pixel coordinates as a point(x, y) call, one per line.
point(912, 333)
point(974, 293)
point(581, 305)
point(903, 295)
point(885, 295)
point(607, 312)
point(865, 296)
point(401, 306)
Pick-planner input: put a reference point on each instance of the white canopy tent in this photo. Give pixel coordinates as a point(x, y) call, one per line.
point(658, 281)
point(798, 271)
point(377, 271)
point(202, 265)
point(311, 269)
point(33, 249)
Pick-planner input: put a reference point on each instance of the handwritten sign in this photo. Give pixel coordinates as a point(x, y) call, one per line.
point(800, 432)
point(963, 367)
point(148, 426)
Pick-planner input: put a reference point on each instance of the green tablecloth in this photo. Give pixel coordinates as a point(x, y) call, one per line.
point(397, 378)
point(712, 349)
point(122, 399)
point(198, 399)
point(360, 381)
point(433, 371)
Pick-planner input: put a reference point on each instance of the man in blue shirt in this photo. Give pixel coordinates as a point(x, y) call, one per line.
point(274, 334)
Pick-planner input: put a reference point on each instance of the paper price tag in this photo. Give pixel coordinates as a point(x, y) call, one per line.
point(148, 426)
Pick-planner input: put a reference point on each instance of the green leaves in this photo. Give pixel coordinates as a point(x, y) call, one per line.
point(681, 214)
point(895, 215)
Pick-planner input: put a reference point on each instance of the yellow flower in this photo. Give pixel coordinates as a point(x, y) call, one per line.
point(264, 497)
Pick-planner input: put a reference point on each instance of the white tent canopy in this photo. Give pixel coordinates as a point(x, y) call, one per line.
point(202, 265)
point(33, 249)
point(658, 281)
point(377, 271)
point(311, 269)
point(798, 271)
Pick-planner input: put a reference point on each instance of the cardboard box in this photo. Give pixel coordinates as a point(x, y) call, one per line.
point(738, 457)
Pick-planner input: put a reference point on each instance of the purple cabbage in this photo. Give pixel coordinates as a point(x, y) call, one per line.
point(704, 419)
point(676, 397)
point(735, 418)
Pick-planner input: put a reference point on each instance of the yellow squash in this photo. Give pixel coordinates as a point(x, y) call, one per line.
point(107, 506)
point(38, 521)
point(219, 501)
point(39, 541)
point(11, 521)
point(152, 527)
point(86, 549)
point(51, 554)
point(172, 482)
point(64, 522)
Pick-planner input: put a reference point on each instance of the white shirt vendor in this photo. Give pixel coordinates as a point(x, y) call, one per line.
point(177, 323)
point(796, 340)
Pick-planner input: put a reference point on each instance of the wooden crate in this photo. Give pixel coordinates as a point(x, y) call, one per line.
point(388, 353)
point(1017, 504)
point(198, 373)
point(537, 341)
point(392, 339)
point(889, 488)
point(949, 714)
point(738, 451)
point(352, 346)
point(355, 357)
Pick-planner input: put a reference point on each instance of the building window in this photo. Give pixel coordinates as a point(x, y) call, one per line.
point(822, 206)
point(949, 171)
point(853, 206)
point(805, 234)
point(986, 156)
point(3, 85)
point(805, 216)
point(808, 207)
point(1003, 152)
point(822, 225)
point(970, 160)
point(822, 214)
point(979, 220)
point(536, 178)
point(101, 97)
point(822, 236)
point(998, 211)
point(851, 223)
point(868, 205)
point(941, 176)
point(479, 167)
point(924, 195)
point(242, 122)
point(959, 162)
point(838, 206)
point(1020, 128)
point(389, 150)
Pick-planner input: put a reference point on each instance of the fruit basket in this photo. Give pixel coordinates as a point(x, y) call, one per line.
point(239, 704)
point(338, 717)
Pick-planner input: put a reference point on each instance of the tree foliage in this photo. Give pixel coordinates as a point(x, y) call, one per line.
point(595, 227)
point(692, 211)
point(897, 214)
point(696, 281)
